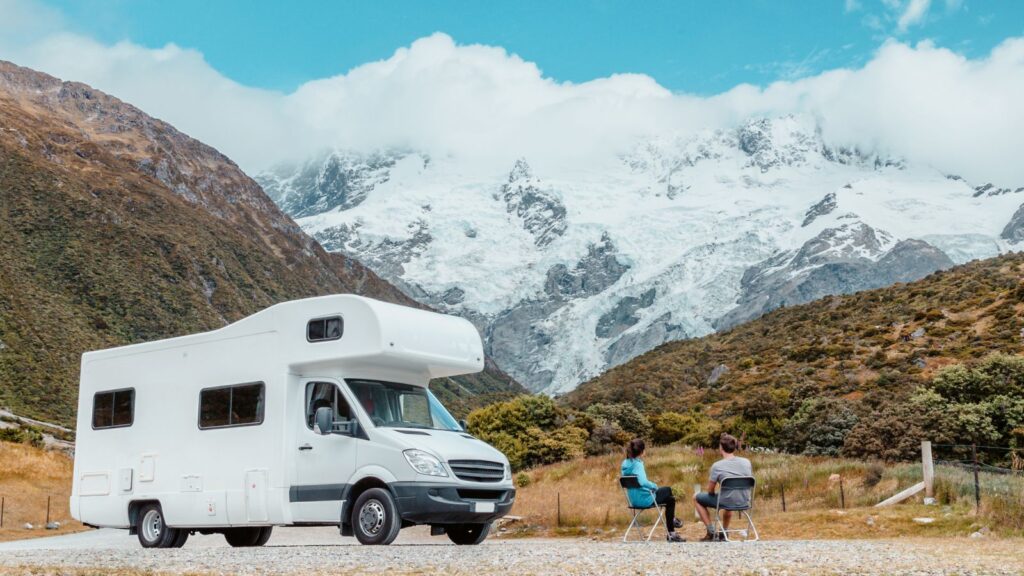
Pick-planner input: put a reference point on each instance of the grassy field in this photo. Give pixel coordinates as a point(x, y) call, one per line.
point(586, 493)
point(29, 475)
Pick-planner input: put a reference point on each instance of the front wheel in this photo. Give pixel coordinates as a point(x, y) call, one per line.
point(375, 517)
point(468, 534)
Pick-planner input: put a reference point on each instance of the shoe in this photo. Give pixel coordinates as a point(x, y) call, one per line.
point(708, 537)
point(677, 523)
point(675, 537)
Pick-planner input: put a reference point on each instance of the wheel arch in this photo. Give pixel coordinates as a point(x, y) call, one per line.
point(133, 512)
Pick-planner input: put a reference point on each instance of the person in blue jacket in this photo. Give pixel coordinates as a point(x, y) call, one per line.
point(650, 493)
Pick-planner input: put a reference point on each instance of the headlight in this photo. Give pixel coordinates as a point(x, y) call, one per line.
point(508, 471)
point(425, 463)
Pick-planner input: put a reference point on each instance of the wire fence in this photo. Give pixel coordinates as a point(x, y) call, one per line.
point(21, 512)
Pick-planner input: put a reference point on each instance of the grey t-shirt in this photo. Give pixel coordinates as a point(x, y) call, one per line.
point(728, 468)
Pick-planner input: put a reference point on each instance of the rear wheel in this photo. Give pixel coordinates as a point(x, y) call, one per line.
point(264, 535)
point(375, 517)
point(467, 534)
point(243, 537)
point(152, 530)
point(181, 539)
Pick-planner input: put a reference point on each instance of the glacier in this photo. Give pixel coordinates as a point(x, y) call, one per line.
point(570, 270)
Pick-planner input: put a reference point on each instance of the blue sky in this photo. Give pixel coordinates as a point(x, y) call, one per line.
point(696, 47)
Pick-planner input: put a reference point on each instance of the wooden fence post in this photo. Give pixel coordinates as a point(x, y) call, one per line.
point(559, 520)
point(977, 484)
point(928, 468)
point(47, 511)
point(783, 496)
point(842, 494)
point(3, 501)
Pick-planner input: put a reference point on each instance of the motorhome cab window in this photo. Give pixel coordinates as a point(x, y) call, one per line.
point(324, 329)
point(325, 394)
point(113, 409)
point(402, 405)
point(231, 406)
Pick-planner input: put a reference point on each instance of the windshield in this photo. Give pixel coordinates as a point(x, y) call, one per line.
point(401, 405)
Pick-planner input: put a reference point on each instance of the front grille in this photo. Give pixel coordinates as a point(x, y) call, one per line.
point(477, 494)
point(478, 470)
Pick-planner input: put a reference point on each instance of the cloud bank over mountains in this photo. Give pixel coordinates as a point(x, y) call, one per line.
point(923, 102)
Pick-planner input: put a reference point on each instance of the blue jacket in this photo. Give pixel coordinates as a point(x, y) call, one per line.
point(639, 497)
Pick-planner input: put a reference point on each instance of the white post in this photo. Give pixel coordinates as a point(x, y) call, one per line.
point(927, 468)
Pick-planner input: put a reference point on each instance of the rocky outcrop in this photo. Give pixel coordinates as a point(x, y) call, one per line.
point(623, 315)
point(826, 206)
point(330, 181)
point(1014, 229)
point(541, 212)
point(597, 270)
point(837, 261)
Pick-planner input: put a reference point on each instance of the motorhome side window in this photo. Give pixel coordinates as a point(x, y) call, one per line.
point(114, 409)
point(324, 329)
point(240, 405)
point(325, 394)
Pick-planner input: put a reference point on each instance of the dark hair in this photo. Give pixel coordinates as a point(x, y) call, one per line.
point(728, 443)
point(635, 447)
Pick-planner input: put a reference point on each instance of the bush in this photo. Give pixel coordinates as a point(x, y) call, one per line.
point(529, 430)
point(629, 419)
point(819, 427)
point(23, 435)
point(695, 429)
point(523, 480)
point(873, 475)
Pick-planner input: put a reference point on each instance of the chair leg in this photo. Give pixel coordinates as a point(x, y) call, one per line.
point(750, 524)
point(717, 526)
point(625, 537)
point(661, 518)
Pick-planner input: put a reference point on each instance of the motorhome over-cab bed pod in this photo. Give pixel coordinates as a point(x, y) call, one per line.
point(222, 430)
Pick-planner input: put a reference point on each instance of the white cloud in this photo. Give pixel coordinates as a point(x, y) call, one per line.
point(922, 102)
point(914, 13)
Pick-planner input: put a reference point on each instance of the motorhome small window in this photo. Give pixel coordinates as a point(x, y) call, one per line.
point(231, 406)
point(114, 409)
point(324, 329)
point(325, 394)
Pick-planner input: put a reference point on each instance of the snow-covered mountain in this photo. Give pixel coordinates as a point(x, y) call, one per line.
point(571, 271)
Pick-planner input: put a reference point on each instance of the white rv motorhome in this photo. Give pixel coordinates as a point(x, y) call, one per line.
point(311, 412)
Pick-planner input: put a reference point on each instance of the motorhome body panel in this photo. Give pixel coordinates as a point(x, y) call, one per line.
point(251, 474)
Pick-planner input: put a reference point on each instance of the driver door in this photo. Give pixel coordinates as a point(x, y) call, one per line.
point(321, 464)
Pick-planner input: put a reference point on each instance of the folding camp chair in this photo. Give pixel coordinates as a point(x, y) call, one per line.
point(631, 482)
point(742, 487)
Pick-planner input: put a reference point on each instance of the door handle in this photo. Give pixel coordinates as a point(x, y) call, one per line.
point(306, 447)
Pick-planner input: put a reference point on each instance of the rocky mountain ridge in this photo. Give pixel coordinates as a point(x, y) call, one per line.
point(569, 272)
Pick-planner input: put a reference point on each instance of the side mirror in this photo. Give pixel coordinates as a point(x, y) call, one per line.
point(325, 420)
point(465, 425)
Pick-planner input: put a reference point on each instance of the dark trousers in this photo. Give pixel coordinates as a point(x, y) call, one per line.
point(665, 498)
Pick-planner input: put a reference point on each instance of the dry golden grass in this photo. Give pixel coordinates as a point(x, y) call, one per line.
point(590, 499)
point(29, 475)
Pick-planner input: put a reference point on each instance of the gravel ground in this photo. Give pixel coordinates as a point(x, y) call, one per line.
point(321, 551)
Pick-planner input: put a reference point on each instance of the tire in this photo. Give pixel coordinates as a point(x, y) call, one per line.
point(152, 530)
point(467, 534)
point(181, 539)
point(375, 519)
point(264, 535)
point(244, 537)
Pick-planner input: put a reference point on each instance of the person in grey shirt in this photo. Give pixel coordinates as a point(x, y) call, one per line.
point(729, 466)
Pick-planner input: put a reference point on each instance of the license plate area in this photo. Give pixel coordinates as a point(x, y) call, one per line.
point(483, 507)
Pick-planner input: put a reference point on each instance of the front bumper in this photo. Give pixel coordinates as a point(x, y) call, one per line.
point(430, 503)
